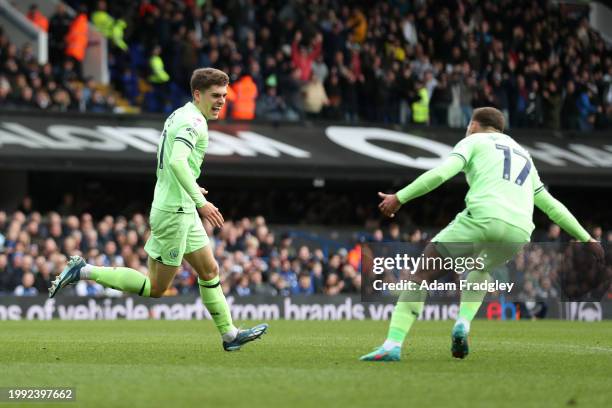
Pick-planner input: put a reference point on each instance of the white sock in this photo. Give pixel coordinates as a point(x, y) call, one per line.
point(465, 323)
point(86, 271)
point(390, 344)
point(230, 335)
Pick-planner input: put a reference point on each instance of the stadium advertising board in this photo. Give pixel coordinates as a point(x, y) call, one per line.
point(129, 143)
point(272, 308)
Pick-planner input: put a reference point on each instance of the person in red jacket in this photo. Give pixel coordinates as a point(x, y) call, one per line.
point(300, 56)
point(246, 95)
point(77, 39)
point(38, 18)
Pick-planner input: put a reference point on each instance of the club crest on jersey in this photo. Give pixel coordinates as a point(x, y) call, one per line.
point(173, 253)
point(197, 122)
point(192, 132)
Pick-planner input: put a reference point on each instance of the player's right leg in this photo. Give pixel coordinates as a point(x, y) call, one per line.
point(165, 248)
point(121, 278)
point(124, 279)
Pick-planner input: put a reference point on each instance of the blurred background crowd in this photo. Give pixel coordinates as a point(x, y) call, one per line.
point(398, 62)
point(254, 257)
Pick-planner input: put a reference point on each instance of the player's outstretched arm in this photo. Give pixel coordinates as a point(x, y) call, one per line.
point(426, 182)
point(560, 215)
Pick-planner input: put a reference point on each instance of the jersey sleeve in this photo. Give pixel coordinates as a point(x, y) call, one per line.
point(190, 131)
point(560, 215)
point(464, 150)
point(431, 179)
point(187, 135)
point(180, 168)
point(537, 184)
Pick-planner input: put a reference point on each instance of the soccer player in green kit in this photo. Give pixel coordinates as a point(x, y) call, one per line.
point(176, 228)
point(504, 186)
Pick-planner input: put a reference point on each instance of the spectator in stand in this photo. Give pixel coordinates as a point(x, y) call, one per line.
point(420, 104)
point(77, 39)
point(587, 109)
point(441, 99)
point(271, 106)
point(27, 286)
point(552, 105)
point(246, 95)
point(58, 28)
point(315, 97)
point(159, 78)
point(291, 86)
point(333, 89)
point(110, 27)
point(302, 58)
point(534, 106)
point(38, 18)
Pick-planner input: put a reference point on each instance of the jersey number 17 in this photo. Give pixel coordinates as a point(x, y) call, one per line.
point(520, 179)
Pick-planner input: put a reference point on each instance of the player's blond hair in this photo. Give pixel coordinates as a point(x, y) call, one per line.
point(204, 78)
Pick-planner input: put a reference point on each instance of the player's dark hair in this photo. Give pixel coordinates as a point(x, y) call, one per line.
point(489, 117)
point(204, 78)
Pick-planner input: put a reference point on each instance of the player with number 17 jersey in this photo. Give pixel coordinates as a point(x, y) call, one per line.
point(489, 158)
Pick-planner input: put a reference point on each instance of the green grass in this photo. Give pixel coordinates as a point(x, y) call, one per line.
point(178, 364)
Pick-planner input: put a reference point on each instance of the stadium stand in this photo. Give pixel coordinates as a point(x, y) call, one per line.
point(403, 63)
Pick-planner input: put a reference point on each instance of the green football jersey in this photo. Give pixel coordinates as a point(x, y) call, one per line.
point(502, 178)
point(185, 125)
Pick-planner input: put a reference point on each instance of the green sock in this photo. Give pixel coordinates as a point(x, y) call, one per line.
point(408, 308)
point(214, 300)
point(472, 299)
point(124, 279)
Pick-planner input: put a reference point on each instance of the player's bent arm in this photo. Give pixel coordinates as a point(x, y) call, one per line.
point(431, 179)
point(560, 215)
point(180, 167)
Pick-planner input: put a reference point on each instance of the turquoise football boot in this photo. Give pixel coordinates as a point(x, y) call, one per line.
point(245, 336)
point(380, 354)
point(459, 345)
point(70, 275)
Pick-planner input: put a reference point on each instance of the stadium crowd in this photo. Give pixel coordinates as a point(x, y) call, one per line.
point(56, 86)
point(253, 258)
point(427, 62)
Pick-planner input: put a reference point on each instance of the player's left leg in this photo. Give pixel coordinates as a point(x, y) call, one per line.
point(205, 265)
point(503, 242)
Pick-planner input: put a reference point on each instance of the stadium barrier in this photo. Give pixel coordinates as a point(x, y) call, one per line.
point(271, 308)
point(122, 143)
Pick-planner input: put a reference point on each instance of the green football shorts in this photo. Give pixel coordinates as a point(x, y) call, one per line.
point(496, 240)
point(173, 235)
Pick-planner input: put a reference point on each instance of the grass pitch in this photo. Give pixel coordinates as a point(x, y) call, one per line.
point(299, 364)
